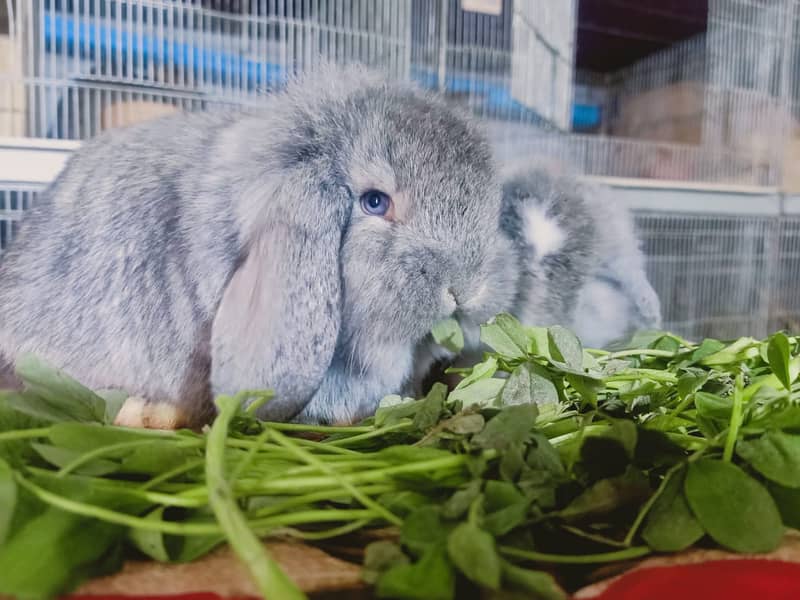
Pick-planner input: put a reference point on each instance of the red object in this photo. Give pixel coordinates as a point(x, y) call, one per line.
point(722, 579)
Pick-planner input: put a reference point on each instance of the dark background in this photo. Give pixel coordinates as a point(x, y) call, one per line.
point(616, 33)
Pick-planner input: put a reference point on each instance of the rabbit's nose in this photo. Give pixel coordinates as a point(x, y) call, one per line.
point(471, 299)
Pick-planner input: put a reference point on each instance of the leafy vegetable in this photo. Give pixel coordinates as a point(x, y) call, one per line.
point(540, 584)
point(505, 336)
point(544, 454)
point(671, 526)
point(776, 455)
point(780, 360)
point(732, 507)
point(431, 578)
point(447, 333)
point(472, 551)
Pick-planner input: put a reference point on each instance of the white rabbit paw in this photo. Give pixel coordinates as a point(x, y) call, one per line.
point(137, 412)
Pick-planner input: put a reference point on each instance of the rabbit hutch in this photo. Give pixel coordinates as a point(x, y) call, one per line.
point(687, 109)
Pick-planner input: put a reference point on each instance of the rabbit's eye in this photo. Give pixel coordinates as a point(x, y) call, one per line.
point(375, 203)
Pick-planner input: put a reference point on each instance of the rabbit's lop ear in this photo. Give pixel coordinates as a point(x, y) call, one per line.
point(279, 318)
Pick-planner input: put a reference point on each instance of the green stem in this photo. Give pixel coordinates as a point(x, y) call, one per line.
point(332, 429)
point(335, 468)
point(248, 458)
point(643, 352)
point(562, 425)
point(636, 374)
point(597, 352)
point(270, 580)
point(312, 497)
point(98, 452)
point(111, 516)
point(327, 448)
point(371, 434)
point(580, 559)
point(599, 539)
point(323, 448)
point(698, 454)
point(648, 505)
point(578, 433)
point(711, 447)
point(312, 460)
point(167, 475)
point(327, 533)
point(24, 434)
point(261, 398)
point(299, 484)
point(188, 529)
point(682, 405)
point(736, 419)
point(689, 442)
point(131, 490)
point(313, 517)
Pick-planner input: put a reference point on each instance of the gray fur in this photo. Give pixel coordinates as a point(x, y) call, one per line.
point(208, 253)
point(617, 299)
point(594, 282)
point(550, 281)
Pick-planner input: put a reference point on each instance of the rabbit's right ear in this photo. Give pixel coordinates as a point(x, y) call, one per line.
point(279, 318)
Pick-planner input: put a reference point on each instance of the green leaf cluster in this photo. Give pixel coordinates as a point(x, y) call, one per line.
point(545, 455)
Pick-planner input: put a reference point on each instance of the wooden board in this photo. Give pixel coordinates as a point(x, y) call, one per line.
point(220, 573)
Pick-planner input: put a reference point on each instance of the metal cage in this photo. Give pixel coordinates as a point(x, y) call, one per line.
point(718, 108)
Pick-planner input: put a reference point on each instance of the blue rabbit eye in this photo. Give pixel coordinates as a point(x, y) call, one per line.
point(375, 203)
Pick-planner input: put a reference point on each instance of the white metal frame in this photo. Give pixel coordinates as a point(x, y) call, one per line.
point(32, 162)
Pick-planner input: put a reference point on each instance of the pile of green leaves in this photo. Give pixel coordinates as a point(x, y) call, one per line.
point(546, 458)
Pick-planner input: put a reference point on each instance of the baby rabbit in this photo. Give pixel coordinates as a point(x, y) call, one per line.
point(578, 260)
point(307, 247)
point(582, 265)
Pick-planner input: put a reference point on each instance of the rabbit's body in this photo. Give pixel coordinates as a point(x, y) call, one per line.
point(120, 265)
point(207, 254)
point(582, 265)
point(550, 221)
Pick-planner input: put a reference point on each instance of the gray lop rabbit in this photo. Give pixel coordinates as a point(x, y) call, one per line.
point(578, 260)
point(307, 246)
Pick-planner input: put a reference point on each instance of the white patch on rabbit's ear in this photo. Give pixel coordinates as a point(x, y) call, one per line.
point(542, 232)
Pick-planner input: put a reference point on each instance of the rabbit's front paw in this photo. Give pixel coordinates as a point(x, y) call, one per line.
point(140, 413)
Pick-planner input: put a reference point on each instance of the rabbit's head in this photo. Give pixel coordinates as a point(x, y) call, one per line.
point(392, 196)
point(422, 240)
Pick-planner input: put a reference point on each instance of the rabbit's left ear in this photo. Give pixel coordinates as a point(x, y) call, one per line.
point(279, 319)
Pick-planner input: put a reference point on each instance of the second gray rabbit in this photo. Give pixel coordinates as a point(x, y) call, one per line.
point(579, 261)
point(306, 247)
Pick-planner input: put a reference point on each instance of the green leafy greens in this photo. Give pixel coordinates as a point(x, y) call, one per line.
point(545, 455)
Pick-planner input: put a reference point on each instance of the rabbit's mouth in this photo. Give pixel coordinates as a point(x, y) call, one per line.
point(465, 307)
